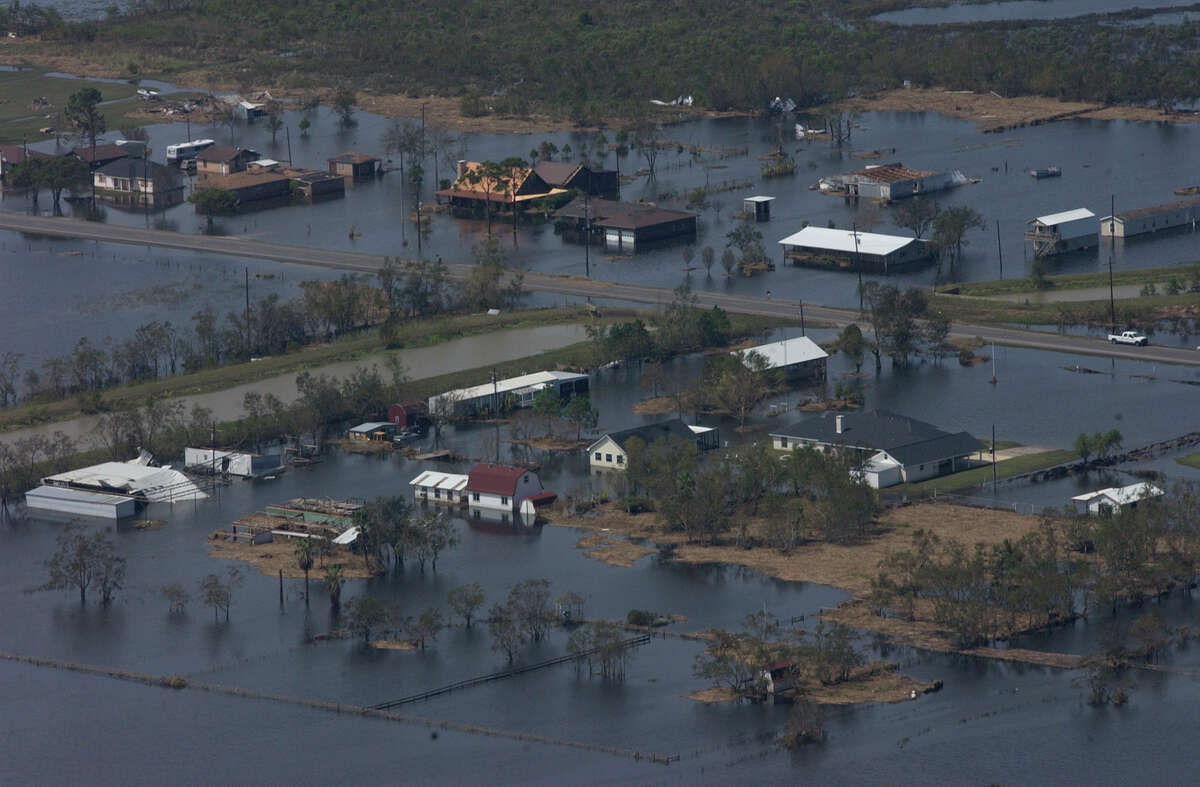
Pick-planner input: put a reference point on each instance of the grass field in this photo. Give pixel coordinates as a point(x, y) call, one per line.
point(1191, 460)
point(20, 120)
point(1007, 468)
point(1075, 281)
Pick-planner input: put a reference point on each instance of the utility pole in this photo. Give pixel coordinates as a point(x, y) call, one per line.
point(288, 130)
point(994, 479)
point(247, 312)
point(858, 265)
point(1000, 249)
point(587, 238)
point(1112, 242)
point(802, 319)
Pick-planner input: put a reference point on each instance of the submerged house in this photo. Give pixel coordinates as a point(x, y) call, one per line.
point(12, 155)
point(894, 448)
point(504, 488)
point(797, 358)
point(251, 186)
point(239, 463)
point(1113, 499)
point(135, 479)
point(871, 252)
point(578, 177)
point(353, 165)
point(223, 160)
point(624, 226)
point(1181, 213)
point(372, 430)
point(1059, 233)
point(609, 452)
point(138, 182)
point(434, 486)
point(477, 186)
point(889, 182)
point(515, 392)
point(101, 155)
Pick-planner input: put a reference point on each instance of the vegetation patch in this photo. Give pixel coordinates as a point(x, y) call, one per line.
point(1005, 468)
point(280, 555)
point(1190, 460)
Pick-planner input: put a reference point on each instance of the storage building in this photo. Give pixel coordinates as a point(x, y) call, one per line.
point(408, 415)
point(516, 391)
point(799, 357)
point(758, 207)
point(850, 250)
point(372, 430)
point(1182, 213)
point(251, 186)
point(438, 487)
point(239, 463)
point(135, 479)
point(354, 165)
point(1059, 233)
point(1113, 499)
point(77, 502)
point(890, 182)
point(623, 226)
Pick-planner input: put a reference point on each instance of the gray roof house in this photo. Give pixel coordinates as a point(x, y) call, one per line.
point(609, 451)
point(898, 449)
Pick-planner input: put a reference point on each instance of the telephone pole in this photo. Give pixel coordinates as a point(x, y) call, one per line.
point(1112, 242)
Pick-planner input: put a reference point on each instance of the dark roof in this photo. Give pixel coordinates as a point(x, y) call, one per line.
point(890, 173)
point(102, 153)
point(622, 215)
point(136, 168)
point(352, 158)
point(556, 173)
point(15, 154)
point(936, 449)
point(220, 153)
point(494, 479)
point(653, 432)
point(906, 439)
point(1141, 213)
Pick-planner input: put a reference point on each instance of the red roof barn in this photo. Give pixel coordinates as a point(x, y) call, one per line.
point(408, 414)
point(504, 487)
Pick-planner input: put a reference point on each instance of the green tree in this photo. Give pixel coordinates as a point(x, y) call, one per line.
point(950, 231)
point(82, 112)
point(365, 615)
point(305, 124)
point(916, 214)
point(212, 202)
point(1084, 446)
point(335, 577)
point(82, 561)
point(548, 404)
point(852, 342)
point(304, 560)
point(465, 599)
point(424, 627)
point(580, 412)
point(343, 104)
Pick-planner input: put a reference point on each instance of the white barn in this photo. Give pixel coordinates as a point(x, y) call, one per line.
point(503, 488)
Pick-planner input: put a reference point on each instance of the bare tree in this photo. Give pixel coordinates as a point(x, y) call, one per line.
point(82, 561)
point(465, 600)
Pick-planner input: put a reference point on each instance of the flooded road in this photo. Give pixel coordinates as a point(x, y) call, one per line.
point(958, 13)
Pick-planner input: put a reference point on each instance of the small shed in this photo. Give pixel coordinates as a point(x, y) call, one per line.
point(1059, 233)
point(758, 207)
point(372, 430)
point(354, 165)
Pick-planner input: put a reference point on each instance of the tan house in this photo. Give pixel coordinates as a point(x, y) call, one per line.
point(223, 160)
point(354, 165)
point(511, 188)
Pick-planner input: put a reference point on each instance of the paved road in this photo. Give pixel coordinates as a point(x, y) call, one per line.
point(565, 285)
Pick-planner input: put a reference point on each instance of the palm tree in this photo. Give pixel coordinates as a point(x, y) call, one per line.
point(304, 559)
point(333, 583)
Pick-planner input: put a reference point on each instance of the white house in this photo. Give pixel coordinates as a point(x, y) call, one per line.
point(608, 453)
point(1059, 233)
point(503, 488)
point(208, 460)
point(138, 181)
point(894, 448)
point(1113, 499)
point(437, 487)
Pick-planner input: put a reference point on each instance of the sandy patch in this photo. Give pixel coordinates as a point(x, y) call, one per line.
point(394, 644)
point(714, 694)
point(614, 550)
point(270, 558)
point(552, 443)
point(656, 405)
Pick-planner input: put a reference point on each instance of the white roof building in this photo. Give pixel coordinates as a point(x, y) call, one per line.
point(827, 247)
point(788, 352)
point(133, 479)
point(523, 389)
point(1055, 219)
point(440, 487)
point(1058, 233)
point(1115, 498)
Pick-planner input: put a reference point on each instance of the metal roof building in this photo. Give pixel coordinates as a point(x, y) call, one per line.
point(440, 487)
point(1058, 233)
point(834, 248)
point(491, 396)
point(132, 479)
point(80, 503)
point(1180, 213)
point(799, 356)
point(1115, 498)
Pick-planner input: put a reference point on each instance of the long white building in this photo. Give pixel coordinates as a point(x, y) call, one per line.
point(493, 396)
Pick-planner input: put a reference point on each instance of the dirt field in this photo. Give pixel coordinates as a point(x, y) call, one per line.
point(847, 567)
point(270, 558)
point(993, 113)
point(614, 550)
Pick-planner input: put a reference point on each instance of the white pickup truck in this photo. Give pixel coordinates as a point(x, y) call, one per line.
point(1128, 337)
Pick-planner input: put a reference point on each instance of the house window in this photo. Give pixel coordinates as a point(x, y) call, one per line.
point(608, 457)
point(476, 498)
point(525, 480)
point(437, 493)
point(620, 459)
point(503, 501)
point(783, 442)
point(598, 456)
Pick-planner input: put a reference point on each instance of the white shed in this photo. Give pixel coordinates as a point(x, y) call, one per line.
point(1059, 233)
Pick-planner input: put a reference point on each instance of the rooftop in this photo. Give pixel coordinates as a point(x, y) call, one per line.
point(1055, 219)
point(439, 480)
point(788, 352)
point(650, 433)
point(887, 173)
point(241, 180)
point(757, 199)
point(157, 484)
point(101, 153)
point(371, 426)
point(220, 154)
point(556, 173)
point(352, 158)
point(511, 384)
point(621, 215)
point(494, 479)
point(15, 154)
point(844, 241)
point(135, 168)
point(905, 439)
point(1120, 495)
point(1154, 210)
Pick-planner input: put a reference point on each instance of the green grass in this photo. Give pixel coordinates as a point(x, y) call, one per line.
point(990, 312)
point(1007, 468)
point(1191, 460)
point(1074, 281)
point(416, 333)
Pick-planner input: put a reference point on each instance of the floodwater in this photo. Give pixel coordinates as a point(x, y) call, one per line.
point(1092, 154)
point(1016, 9)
